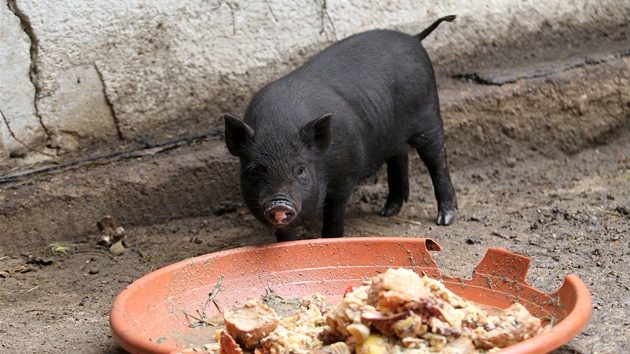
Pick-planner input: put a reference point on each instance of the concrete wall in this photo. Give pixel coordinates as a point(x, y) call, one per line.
point(81, 72)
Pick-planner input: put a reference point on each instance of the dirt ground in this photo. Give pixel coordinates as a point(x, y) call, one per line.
point(570, 214)
point(564, 203)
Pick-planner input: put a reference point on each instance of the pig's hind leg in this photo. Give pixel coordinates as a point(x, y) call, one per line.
point(397, 182)
point(432, 150)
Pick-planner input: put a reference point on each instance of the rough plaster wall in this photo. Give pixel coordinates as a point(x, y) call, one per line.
point(17, 92)
point(112, 69)
point(79, 99)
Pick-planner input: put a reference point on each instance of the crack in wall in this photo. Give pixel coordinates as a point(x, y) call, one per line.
point(109, 103)
point(324, 15)
point(25, 23)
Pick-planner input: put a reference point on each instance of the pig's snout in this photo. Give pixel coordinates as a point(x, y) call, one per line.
point(280, 212)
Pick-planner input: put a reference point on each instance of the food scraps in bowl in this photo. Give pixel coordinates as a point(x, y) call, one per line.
point(397, 311)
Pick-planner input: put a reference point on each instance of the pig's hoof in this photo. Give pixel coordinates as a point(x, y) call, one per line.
point(390, 210)
point(445, 217)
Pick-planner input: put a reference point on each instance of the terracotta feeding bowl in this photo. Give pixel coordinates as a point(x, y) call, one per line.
point(149, 316)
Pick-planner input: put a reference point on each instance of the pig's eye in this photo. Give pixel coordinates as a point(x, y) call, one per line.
point(299, 171)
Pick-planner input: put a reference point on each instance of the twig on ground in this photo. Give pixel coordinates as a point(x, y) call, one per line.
point(497, 234)
point(408, 221)
point(549, 224)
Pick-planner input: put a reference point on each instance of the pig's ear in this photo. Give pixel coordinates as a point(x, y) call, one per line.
point(318, 133)
point(238, 135)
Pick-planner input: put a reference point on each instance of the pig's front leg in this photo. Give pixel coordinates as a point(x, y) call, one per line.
point(287, 234)
point(334, 210)
point(397, 182)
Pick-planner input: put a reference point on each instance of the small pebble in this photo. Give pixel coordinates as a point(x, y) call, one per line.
point(510, 162)
point(472, 240)
point(94, 270)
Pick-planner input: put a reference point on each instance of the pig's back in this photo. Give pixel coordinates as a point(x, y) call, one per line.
point(375, 71)
point(372, 83)
point(384, 78)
